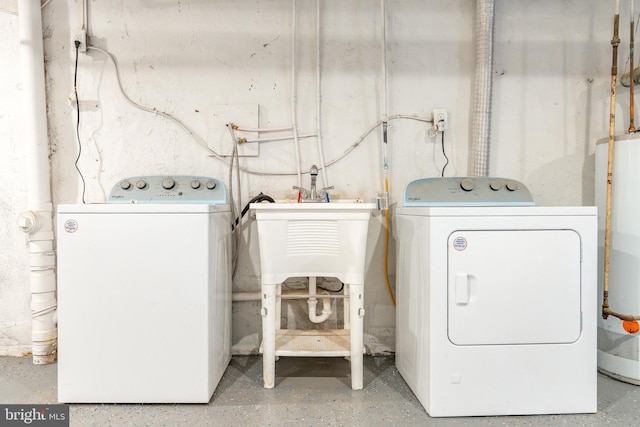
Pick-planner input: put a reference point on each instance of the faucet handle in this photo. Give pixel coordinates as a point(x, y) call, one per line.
point(304, 191)
point(323, 192)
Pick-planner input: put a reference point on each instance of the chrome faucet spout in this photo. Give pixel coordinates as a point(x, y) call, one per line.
point(314, 175)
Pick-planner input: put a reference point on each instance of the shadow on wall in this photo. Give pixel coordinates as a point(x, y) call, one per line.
point(567, 181)
point(588, 181)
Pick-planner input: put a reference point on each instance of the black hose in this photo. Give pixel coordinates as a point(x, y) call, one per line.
point(257, 199)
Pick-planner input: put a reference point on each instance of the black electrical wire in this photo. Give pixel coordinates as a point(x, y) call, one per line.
point(257, 199)
point(75, 92)
point(331, 290)
point(445, 156)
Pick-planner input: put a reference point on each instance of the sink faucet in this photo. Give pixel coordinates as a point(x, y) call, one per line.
point(314, 175)
point(311, 196)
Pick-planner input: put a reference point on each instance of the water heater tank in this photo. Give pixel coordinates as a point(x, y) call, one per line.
point(619, 350)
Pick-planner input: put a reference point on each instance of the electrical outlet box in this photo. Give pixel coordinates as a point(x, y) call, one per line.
point(440, 120)
point(80, 36)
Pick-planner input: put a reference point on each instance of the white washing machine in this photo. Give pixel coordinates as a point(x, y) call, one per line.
point(144, 293)
point(496, 300)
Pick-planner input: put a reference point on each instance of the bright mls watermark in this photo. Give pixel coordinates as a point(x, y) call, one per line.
point(34, 415)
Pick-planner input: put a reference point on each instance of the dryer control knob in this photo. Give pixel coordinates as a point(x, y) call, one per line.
point(467, 184)
point(168, 183)
point(141, 184)
point(512, 186)
point(195, 184)
point(211, 184)
point(125, 185)
point(495, 185)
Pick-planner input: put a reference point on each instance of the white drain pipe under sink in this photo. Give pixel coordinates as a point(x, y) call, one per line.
point(313, 302)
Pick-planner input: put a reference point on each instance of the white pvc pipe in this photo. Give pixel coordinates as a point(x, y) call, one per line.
point(276, 138)
point(294, 126)
point(313, 302)
point(37, 221)
point(383, 48)
point(323, 167)
point(246, 296)
point(264, 129)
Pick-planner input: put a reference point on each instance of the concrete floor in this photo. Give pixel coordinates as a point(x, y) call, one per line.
point(308, 392)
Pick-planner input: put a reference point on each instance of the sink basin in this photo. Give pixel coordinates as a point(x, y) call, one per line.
point(312, 239)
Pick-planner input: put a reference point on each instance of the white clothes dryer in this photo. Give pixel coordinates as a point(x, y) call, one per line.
point(496, 300)
point(144, 293)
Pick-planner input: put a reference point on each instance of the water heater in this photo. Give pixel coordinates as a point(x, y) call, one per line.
point(619, 350)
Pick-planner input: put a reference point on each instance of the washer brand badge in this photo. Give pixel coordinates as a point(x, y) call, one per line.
point(460, 244)
point(71, 226)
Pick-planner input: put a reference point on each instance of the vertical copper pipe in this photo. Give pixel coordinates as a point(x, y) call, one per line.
point(615, 41)
point(632, 127)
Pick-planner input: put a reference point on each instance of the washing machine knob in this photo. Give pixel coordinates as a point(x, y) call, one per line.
point(467, 184)
point(195, 184)
point(141, 184)
point(168, 183)
point(211, 184)
point(495, 185)
point(125, 185)
point(512, 186)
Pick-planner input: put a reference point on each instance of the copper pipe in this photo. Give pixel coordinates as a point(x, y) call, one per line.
point(615, 41)
point(632, 127)
point(628, 317)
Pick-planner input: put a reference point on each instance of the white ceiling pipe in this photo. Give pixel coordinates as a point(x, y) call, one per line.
point(294, 105)
point(483, 83)
point(323, 166)
point(37, 221)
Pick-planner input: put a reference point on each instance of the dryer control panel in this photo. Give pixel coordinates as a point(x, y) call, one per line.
point(467, 191)
point(169, 189)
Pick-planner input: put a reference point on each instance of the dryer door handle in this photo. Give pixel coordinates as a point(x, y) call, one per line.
point(462, 288)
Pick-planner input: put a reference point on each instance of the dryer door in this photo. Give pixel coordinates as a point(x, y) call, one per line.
point(514, 287)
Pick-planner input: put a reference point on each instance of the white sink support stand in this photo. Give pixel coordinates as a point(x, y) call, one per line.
point(353, 322)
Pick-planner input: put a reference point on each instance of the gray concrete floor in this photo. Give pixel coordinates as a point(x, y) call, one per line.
point(308, 392)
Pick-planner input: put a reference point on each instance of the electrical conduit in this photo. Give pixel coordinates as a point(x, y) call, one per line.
point(37, 221)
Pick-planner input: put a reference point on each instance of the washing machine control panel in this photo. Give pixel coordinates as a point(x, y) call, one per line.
point(467, 191)
point(169, 189)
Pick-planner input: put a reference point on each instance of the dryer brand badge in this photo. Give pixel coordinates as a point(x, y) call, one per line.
point(71, 226)
point(460, 244)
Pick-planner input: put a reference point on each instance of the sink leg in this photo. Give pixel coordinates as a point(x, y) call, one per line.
point(356, 308)
point(269, 335)
point(346, 305)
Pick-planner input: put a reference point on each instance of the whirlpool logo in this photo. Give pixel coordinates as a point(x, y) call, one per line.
point(34, 415)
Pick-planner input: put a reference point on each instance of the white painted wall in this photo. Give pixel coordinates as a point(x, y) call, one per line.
point(551, 98)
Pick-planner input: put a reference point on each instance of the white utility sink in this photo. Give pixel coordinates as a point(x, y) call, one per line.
point(312, 239)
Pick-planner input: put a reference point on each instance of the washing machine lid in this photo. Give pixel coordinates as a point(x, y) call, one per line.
point(467, 191)
point(510, 287)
